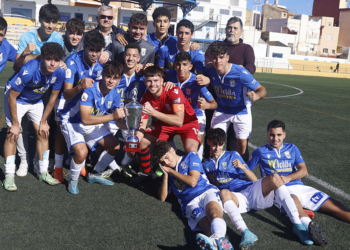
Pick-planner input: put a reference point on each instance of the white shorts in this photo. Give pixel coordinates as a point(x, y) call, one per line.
point(76, 133)
point(195, 209)
point(241, 123)
point(114, 129)
point(202, 122)
point(253, 198)
point(34, 112)
point(309, 197)
point(59, 105)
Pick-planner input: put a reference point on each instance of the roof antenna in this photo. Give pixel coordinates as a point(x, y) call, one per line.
point(104, 2)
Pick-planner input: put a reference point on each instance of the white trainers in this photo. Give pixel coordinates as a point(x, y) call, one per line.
point(22, 169)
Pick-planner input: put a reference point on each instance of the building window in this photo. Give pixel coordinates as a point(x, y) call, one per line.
point(333, 51)
point(311, 49)
point(329, 37)
point(277, 55)
point(199, 9)
point(64, 16)
point(92, 18)
point(224, 12)
point(325, 50)
point(329, 24)
point(222, 30)
point(236, 13)
point(27, 13)
point(126, 19)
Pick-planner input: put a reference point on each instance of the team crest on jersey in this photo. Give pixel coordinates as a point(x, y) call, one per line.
point(176, 91)
point(1, 56)
point(177, 100)
point(18, 81)
point(188, 91)
point(268, 156)
point(287, 154)
point(68, 73)
point(109, 104)
point(167, 107)
point(224, 165)
point(143, 51)
point(99, 73)
point(232, 83)
point(53, 80)
point(183, 165)
point(84, 97)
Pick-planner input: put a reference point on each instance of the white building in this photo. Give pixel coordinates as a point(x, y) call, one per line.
point(307, 32)
point(210, 17)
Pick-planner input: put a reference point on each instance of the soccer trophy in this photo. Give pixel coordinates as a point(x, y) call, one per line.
point(133, 112)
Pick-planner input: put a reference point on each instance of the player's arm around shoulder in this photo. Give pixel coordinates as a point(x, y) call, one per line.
point(239, 163)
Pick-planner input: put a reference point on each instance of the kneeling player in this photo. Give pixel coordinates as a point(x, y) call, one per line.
point(292, 169)
point(173, 115)
point(23, 95)
point(241, 191)
point(199, 200)
point(84, 124)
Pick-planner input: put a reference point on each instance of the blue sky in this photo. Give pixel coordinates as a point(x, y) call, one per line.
point(295, 6)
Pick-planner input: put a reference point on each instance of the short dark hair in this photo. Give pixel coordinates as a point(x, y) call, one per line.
point(216, 135)
point(133, 46)
point(219, 48)
point(49, 12)
point(276, 124)
point(161, 11)
point(53, 51)
point(75, 25)
point(186, 23)
point(160, 148)
point(153, 71)
point(3, 24)
point(94, 40)
point(234, 20)
point(112, 68)
point(139, 18)
point(183, 56)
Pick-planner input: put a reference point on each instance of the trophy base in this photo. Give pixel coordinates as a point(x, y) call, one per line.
point(132, 146)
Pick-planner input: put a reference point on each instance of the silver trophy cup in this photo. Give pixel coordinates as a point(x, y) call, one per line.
point(133, 112)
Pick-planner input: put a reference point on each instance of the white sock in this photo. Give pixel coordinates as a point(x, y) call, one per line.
point(24, 161)
point(58, 161)
point(103, 161)
point(10, 166)
point(218, 228)
point(43, 166)
point(75, 169)
point(200, 152)
point(126, 160)
point(288, 204)
point(114, 165)
point(235, 216)
point(306, 221)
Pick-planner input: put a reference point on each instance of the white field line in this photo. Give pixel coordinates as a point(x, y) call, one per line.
point(300, 90)
point(319, 181)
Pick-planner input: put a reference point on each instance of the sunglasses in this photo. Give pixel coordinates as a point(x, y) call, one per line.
point(104, 17)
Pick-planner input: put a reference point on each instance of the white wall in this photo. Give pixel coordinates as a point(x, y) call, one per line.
point(286, 51)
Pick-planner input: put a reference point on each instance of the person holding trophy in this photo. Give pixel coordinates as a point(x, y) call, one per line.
point(171, 115)
point(88, 125)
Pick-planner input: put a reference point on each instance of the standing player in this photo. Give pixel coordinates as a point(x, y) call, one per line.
point(7, 51)
point(137, 28)
point(241, 191)
point(199, 200)
point(198, 96)
point(236, 89)
point(285, 159)
point(184, 33)
point(83, 70)
point(73, 37)
point(87, 124)
point(30, 43)
point(23, 96)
